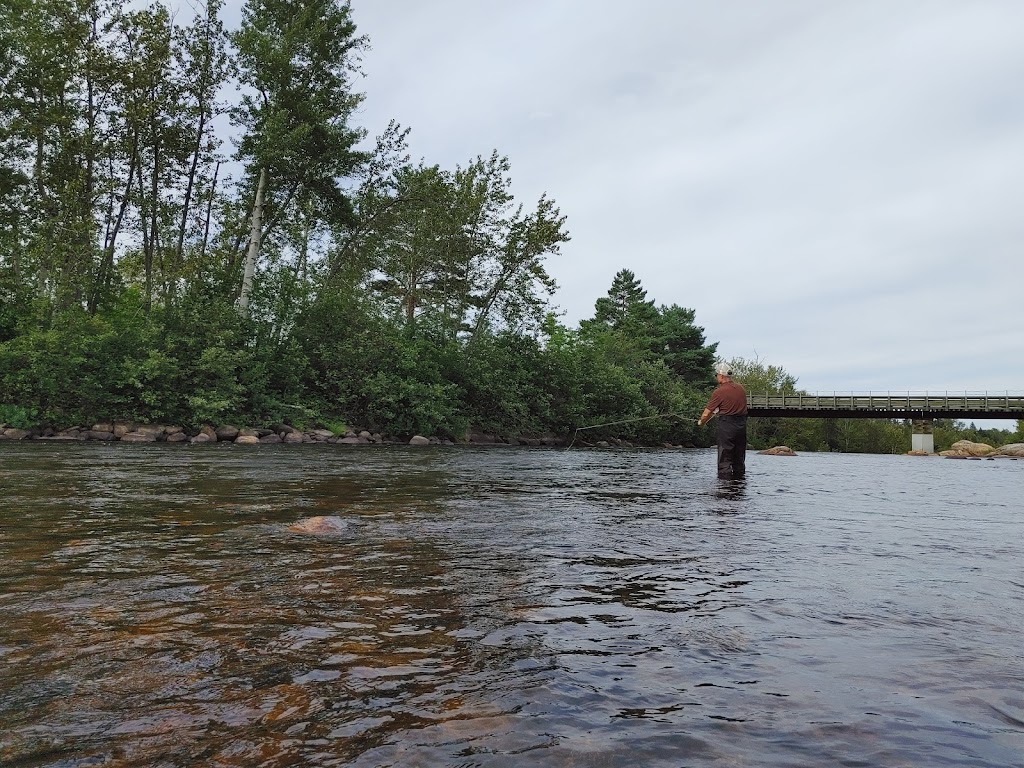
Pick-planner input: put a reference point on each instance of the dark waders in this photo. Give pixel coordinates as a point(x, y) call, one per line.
point(732, 446)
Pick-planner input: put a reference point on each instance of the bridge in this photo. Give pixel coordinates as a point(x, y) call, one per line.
point(919, 408)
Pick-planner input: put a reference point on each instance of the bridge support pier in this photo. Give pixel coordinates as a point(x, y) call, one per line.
point(921, 437)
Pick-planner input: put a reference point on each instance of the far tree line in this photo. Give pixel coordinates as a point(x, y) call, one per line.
point(331, 280)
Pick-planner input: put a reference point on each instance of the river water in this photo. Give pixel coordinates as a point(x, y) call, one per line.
point(507, 607)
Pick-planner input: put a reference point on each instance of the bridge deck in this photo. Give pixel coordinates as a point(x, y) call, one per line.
point(904, 405)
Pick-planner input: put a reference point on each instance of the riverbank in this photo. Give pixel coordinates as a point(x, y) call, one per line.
point(130, 432)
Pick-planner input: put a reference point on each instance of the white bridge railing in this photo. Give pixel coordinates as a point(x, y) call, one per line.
point(990, 402)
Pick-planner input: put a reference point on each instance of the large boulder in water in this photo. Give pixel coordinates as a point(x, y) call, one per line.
point(226, 432)
point(1013, 449)
point(778, 450)
point(967, 448)
point(319, 525)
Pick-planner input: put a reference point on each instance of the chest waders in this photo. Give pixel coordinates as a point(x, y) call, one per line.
point(732, 446)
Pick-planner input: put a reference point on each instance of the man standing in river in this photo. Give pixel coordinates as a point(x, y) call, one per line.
point(729, 403)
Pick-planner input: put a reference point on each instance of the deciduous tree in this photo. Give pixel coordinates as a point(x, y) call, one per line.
point(296, 59)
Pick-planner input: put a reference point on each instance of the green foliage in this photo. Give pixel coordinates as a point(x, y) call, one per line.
point(16, 312)
point(298, 59)
point(339, 428)
point(18, 417)
point(761, 378)
point(411, 405)
point(682, 345)
point(625, 308)
point(448, 251)
point(497, 378)
point(635, 332)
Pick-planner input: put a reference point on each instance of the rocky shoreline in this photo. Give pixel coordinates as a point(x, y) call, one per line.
point(965, 449)
point(130, 432)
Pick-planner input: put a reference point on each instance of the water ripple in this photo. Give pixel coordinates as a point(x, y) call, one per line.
point(487, 607)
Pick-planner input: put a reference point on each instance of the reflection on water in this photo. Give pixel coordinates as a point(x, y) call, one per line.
point(482, 607)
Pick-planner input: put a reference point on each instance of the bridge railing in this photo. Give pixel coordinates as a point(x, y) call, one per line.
point(994, 402)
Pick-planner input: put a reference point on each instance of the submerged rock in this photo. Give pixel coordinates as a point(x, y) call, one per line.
point(778, 450)
point(319, 525)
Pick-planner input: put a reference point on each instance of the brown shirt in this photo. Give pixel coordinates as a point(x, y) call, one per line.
point(730, 399)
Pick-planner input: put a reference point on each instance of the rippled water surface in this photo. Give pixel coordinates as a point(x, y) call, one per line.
point(503, 606)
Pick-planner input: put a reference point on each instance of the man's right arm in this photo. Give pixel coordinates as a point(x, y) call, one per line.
point(709, 410)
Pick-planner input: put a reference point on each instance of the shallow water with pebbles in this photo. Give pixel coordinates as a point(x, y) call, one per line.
point(506, 606)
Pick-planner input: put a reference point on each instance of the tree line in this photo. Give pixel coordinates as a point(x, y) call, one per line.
point(300, 273)
point(333, 280)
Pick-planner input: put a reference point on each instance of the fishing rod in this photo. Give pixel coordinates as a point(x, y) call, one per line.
point(688, 414)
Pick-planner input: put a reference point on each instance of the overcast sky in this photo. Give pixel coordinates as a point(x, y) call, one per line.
point(834, 187)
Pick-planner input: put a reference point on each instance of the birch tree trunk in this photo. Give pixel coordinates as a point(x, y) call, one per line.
point(255, 236)
point(209, 215)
